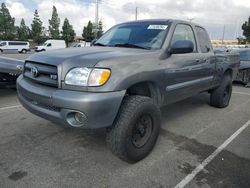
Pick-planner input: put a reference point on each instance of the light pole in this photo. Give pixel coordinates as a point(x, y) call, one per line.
point(96, 24)
point(136, 12)
point(96, 12)
point(223, 35)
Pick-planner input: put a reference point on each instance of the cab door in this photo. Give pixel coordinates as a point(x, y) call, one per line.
point(183, 71)
point(208, 58)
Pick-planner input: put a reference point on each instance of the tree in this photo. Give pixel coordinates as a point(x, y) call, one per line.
point(241, 40)
point(23, 31)
point(36, 28)
point(7, 24)
point(54, 24)
point(88, 34)
point(100, 31)
point(246, 29)
point(68, 32)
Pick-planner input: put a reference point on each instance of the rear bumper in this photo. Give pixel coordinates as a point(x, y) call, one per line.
point(59, 106)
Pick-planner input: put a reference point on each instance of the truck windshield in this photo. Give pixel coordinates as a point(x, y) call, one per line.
point(135, 35)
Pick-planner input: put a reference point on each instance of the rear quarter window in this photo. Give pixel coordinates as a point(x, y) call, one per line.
point(245, 55)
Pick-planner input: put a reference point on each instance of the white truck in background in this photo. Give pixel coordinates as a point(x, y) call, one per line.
point(51, 45)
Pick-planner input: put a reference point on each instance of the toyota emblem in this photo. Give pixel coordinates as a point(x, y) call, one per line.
point(34, 72)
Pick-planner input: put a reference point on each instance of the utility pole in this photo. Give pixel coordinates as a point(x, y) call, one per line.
point(223, 35)
point(96, 24)
point(136, 12)
point(96, 12)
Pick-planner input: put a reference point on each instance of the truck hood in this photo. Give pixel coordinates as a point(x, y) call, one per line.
point(86, 56)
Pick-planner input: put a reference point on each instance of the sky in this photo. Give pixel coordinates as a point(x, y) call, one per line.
point(212, 14)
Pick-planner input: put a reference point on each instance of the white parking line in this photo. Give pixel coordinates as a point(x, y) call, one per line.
point(241, 93)
point(10, 107)
point(199, 168)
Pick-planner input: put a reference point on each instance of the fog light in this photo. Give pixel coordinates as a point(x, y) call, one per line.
point(80, 117)
point(77, 119)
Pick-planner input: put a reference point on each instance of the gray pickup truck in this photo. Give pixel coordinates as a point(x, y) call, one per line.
point(122, 81)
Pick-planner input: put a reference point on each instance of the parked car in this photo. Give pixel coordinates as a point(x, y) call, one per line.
point(10, 69)
point(121, 82)
point(19, 46)
point(51, 45)
point(244, 70)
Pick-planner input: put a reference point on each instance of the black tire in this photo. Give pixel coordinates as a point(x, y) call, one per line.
point(136, 128)
point(220, 97)
point(24, 51)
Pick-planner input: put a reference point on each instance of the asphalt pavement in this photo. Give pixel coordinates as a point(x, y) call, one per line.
point(198, 146)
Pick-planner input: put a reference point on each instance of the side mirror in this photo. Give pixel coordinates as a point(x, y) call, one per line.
point(182, 47)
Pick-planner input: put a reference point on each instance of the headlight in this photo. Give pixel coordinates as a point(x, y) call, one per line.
point(87, 77)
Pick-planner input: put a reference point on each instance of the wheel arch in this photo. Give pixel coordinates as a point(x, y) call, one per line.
point(146, 88)
point(229, 72)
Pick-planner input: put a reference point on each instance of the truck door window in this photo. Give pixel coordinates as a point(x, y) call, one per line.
point(204, 40)
point(184, 32)
point(49, 45)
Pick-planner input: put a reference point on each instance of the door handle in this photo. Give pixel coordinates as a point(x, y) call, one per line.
point(197, 60)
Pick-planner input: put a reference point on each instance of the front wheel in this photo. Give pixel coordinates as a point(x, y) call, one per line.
point(220, 97)
point(136, 128)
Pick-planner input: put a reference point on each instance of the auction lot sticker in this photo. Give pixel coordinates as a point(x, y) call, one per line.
point(158, 27)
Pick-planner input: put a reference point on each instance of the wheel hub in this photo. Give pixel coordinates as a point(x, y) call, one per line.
point(142, 131)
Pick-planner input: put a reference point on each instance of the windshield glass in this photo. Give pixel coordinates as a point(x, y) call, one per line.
point(2, 43)
point(45, 44)
point(135, 35)
point(245, 55)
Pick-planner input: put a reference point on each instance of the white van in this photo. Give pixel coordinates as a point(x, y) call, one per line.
point(20, 46)
point(51, 45)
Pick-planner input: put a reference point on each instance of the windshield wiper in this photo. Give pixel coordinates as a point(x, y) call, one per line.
point(99, 44)
point(128, 45)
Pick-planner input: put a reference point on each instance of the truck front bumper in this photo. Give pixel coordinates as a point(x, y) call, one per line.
point(64, 107)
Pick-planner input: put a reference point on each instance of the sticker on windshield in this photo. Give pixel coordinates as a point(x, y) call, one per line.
point(158, 27)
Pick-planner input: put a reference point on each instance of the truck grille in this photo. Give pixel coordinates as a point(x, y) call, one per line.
point(41, 73)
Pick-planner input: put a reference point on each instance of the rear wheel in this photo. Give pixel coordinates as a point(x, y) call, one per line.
point(135, 130)
point(24, 51)
point(220, 97)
